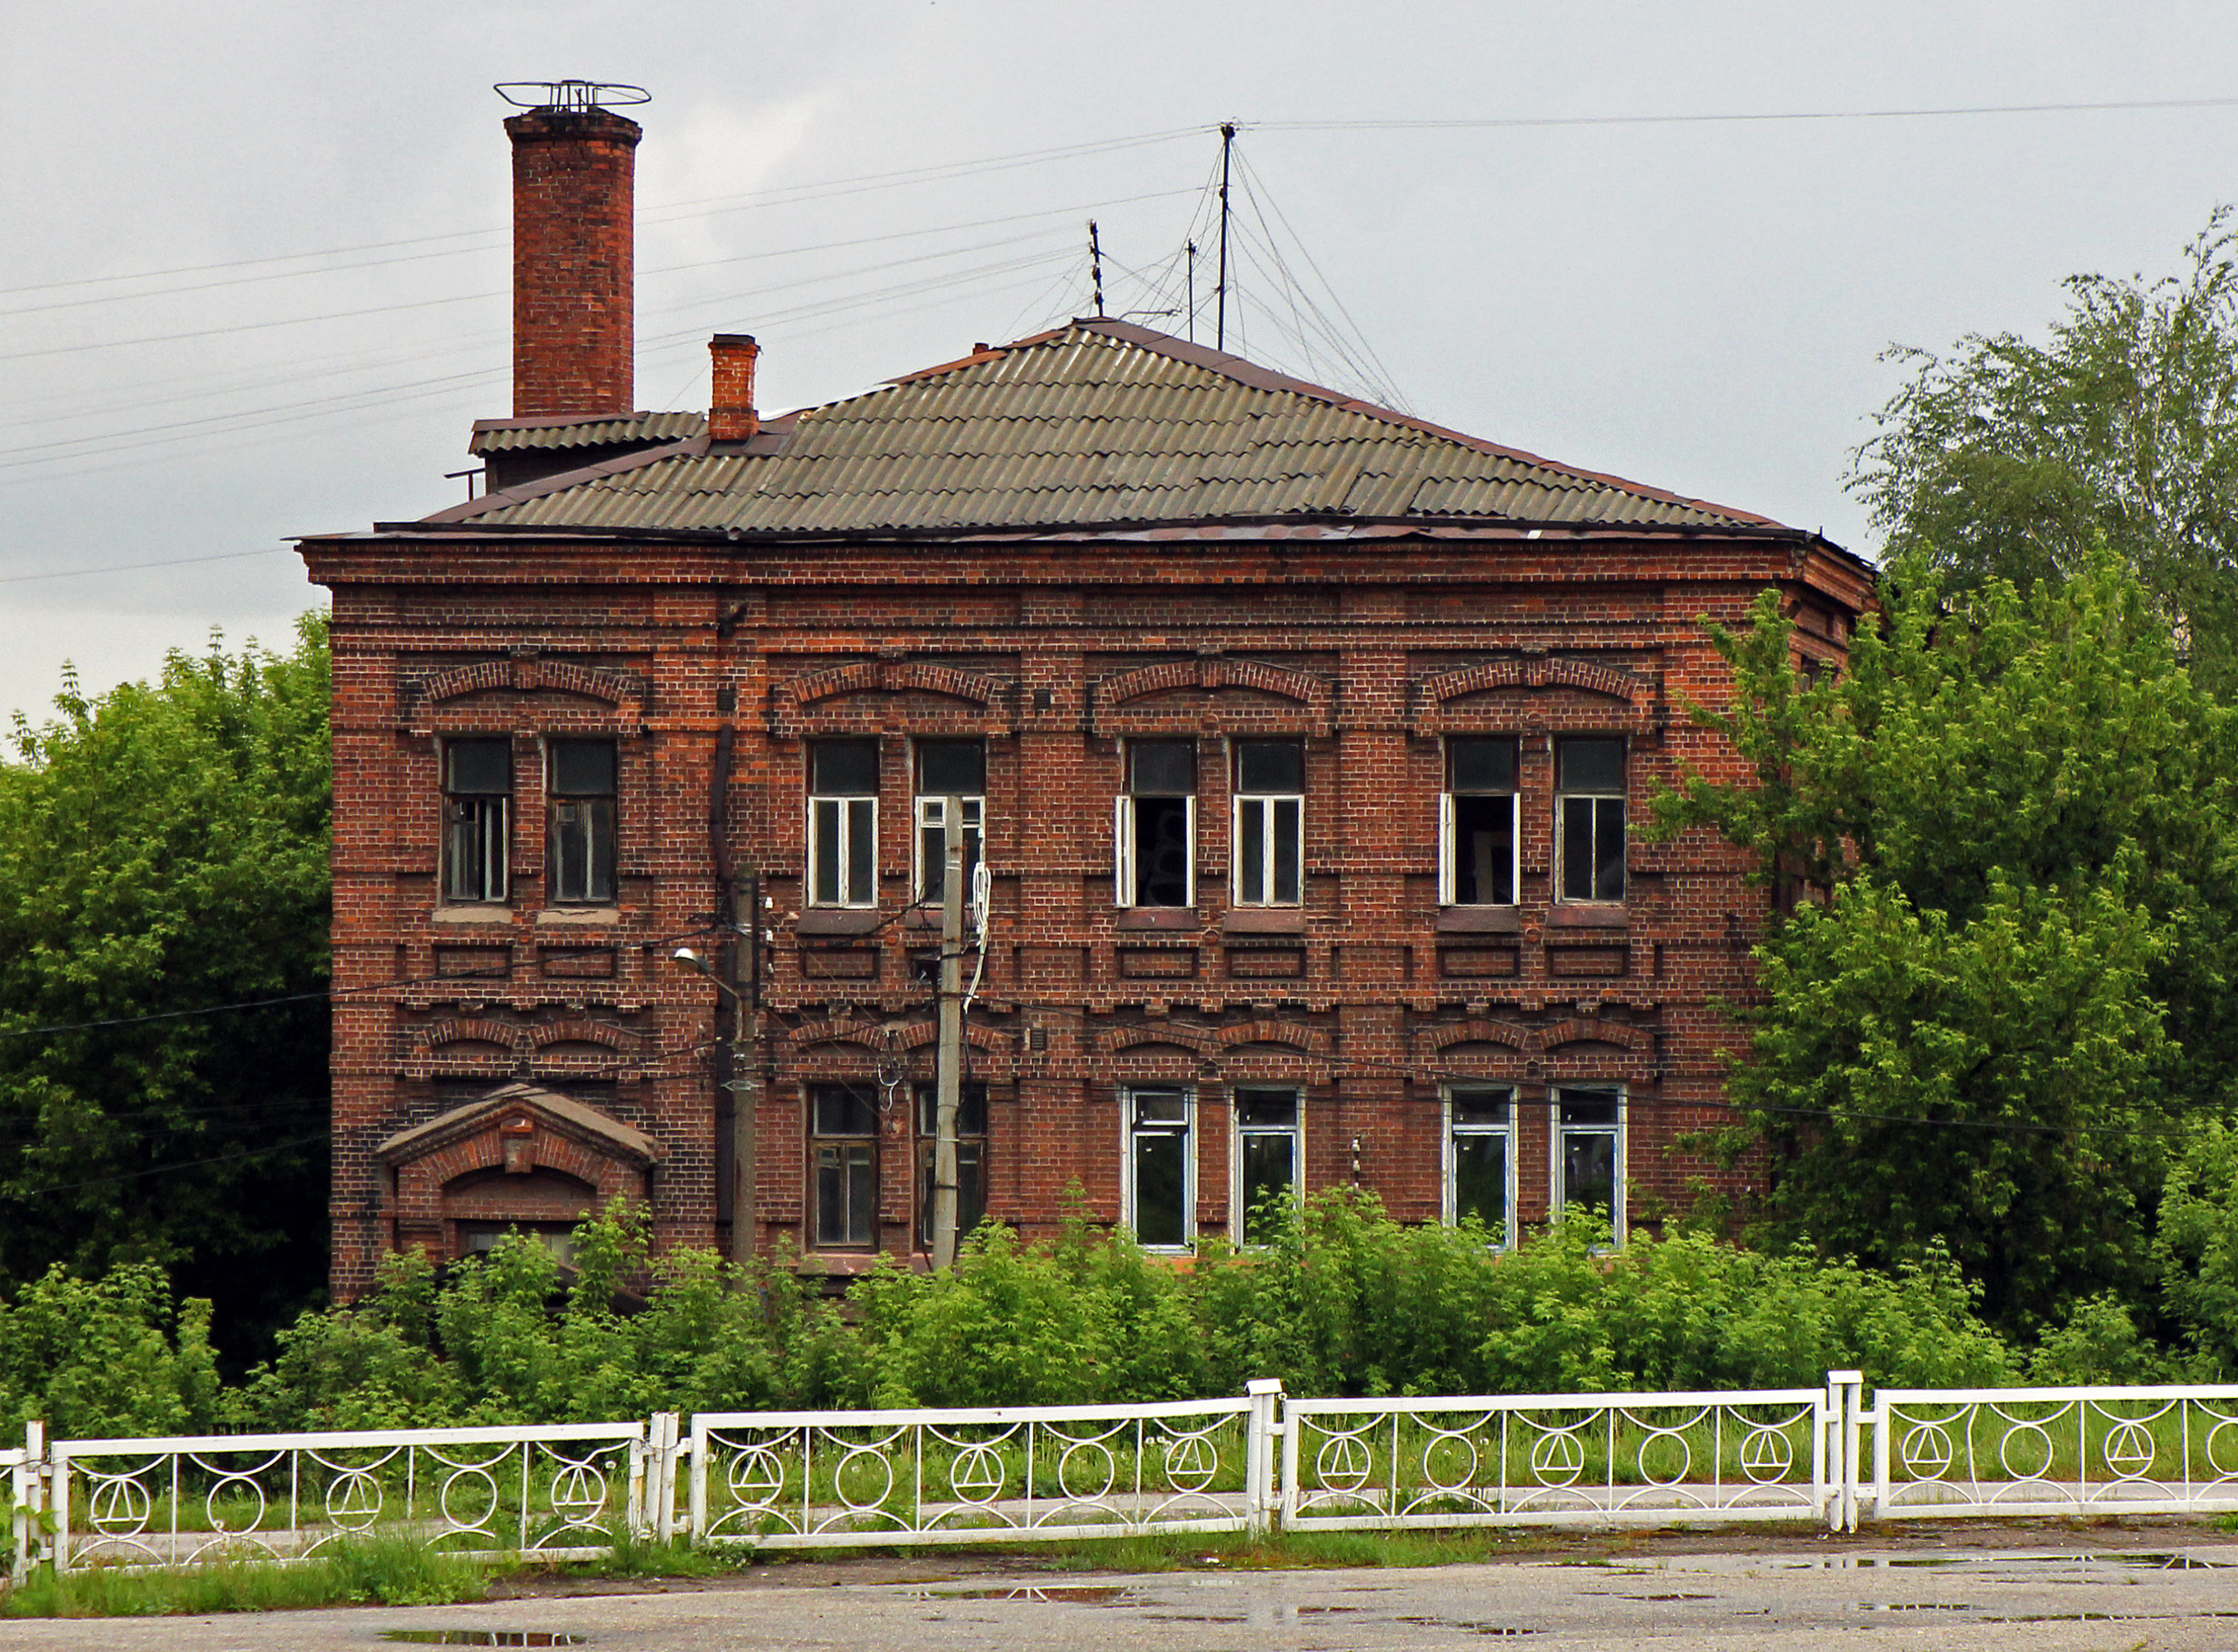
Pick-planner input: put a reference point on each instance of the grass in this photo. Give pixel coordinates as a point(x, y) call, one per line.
point(389, 1571)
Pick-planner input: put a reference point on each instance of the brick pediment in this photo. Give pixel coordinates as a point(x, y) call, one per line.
point(519, 1127)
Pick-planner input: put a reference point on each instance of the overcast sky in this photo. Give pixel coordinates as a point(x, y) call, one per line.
point(1698, 305)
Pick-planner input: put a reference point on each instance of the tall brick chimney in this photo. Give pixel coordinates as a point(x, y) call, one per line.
point(574, 335)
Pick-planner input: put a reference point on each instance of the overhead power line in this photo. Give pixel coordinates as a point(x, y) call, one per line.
point(1525, 121)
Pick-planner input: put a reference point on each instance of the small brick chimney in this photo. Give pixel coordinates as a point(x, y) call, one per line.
point(574, 336)
point(731, 415)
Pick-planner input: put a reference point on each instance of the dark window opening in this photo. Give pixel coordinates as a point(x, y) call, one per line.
point(582, 828)
point(843, 1126)
point(477, 818)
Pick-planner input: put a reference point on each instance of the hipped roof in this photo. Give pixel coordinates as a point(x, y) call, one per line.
point(1101, 423)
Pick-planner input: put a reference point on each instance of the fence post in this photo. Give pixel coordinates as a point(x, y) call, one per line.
point(30, 1481)
point(1266, 1394)
point(1845, 1390)
point(666, 1428)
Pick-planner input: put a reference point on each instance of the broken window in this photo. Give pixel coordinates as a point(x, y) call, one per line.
point(843, 1132)
point(1478, 864)
point(1479, 1159)
point(971, 1159)
point(948, 769)
point(1269, 1144)
point(582, 824)
point(1589, 1153)
point(477, 818)
point(1270, 808)
point(843, 822)
point(1161, 1168)
point(1589, 786)
point(1156, 825)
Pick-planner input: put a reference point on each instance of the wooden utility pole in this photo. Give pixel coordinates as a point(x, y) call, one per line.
point(948, 1097)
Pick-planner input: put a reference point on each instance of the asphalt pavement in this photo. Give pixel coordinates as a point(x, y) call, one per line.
point(1735, 1601)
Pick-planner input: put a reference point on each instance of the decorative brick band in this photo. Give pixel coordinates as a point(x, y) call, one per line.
point(1539, 671)
point(788, 698)
point(530, 676)
point(1215, 673)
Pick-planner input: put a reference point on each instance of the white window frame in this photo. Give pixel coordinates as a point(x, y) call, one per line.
point(932, 816)
point(1123, 832)
point(1449, 1172)
point(1295, 1130)
point(1188, 1130)
point(853, 815)
point(1448, 848)
point(1267, 805)
point(1556, 1136)
point(1562, 802)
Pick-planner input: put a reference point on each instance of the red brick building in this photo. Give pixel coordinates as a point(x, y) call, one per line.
point(1308, 743)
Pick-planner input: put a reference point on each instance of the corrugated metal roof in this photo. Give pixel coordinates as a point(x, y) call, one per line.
point(503, 435)
point(1101, 422)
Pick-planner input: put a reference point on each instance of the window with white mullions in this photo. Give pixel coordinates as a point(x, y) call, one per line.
point(477, 819)
point(1269, 1144)
point(1478, 865)
point(1589, 1155)
point(947, 769)
point(844, 1150)
point(1589, 793)
point(1270, 812)
point(1159, 1193)
point(971, 1159)
point(1480, 1158)
point(1156, 825)
point(581, 784)
point(843, 822)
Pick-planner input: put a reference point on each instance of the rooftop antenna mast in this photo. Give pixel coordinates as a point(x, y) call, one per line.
point(1095, 264)
point(1191, 311)
point(1219, 312)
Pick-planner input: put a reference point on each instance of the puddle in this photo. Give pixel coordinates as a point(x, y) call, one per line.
point(482, 1637)
point(1496, 1630)
point(1666, 1597)
point(2160, 1562)
point(1326, 1611)
point(1913, 1606)
point(1073, 1594)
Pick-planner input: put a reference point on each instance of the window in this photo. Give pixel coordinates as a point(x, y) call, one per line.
point(1480, 1158)
point(477, 818)
point(1157, 825)
point(1589, 1153)
point(843, 822)
point(1267, 1156)
point(582, 828)
point(843, 1130)
point(947, 769)
point(1270, 807)
point(1478, 864)
point(1161, 1168)
point(1589, 799)
point(971, 1159)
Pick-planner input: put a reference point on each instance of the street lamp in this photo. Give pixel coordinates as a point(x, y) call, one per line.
point(741, 1078)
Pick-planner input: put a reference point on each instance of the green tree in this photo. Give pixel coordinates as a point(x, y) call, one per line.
point(163, 850)
point(2008, 458)
point(2007, 994)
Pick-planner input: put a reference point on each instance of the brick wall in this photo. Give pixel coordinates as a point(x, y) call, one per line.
point(573, 252)
point(1368, 997)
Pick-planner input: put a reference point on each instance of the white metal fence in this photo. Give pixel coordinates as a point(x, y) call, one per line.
point(563, 1489)
point(812, 1479)
point(2011, 1451)
point(829, 1479)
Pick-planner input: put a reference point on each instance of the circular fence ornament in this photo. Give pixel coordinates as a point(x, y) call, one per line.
point(233, 1485)
point(1441, 1452)
point(578, 1494)
point(2129, 1450)
point(1190, 1463)
point(757, 1477)
point(2223, 1439)
point(1084, 1456)
point(864, 1478)
point(353, 1500)
point(2034, 1458)
point(456, 1490)
point(118, 1503)
point(1674, 1457)
point(1558, 1457)
point(975, 1476)
point(1926, 1452)
point(1766, 1454)
point(1343, 1462)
